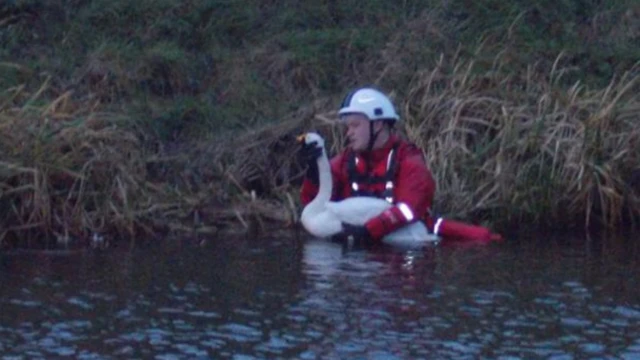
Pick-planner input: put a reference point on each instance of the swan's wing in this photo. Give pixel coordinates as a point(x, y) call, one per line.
point(324, 224)
point(357, 210)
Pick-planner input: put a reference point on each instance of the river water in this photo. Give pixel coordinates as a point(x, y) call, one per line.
point(284, 296)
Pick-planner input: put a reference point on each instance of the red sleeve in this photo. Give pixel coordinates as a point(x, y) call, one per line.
point(309, 190)
point(414, 189)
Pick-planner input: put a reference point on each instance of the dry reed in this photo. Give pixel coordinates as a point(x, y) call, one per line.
point(519, 147)
point(508, 148)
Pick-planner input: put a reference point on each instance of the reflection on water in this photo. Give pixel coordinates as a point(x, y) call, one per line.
point(307, 299)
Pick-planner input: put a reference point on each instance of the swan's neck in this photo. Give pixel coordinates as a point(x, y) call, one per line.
point(325, 180)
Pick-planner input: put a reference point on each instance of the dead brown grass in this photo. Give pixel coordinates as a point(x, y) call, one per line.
point(520, 147)
point(67, 171)
point(504, 148)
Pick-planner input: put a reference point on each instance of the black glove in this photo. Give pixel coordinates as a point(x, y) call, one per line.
point(310, 154)
point(356, 236)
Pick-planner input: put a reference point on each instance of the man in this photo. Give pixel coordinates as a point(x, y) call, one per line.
point(376, 163)
point(379, 163)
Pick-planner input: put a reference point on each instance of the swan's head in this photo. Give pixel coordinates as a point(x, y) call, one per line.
point(310, 138)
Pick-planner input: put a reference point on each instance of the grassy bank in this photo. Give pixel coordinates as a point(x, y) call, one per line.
point(139, 119)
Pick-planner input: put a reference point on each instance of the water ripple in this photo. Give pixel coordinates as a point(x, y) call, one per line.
point(627, 312)
point(25, 303)
point(238, 332)
point(204, 314)
point(80, 303)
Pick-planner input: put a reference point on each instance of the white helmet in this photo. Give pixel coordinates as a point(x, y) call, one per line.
point(370, 102)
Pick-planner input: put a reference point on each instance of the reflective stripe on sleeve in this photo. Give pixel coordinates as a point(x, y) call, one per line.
point(406, 211)
point(436, 227)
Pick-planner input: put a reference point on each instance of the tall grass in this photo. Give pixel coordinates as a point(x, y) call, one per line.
point(516, 148)
point(70, 172)
point(67, 171)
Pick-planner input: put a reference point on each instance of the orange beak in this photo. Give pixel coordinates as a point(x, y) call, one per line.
point(300, 138)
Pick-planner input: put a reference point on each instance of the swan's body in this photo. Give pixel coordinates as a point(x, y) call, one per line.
point(323, 217)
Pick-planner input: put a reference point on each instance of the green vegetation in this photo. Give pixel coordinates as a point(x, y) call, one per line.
point(138, 118)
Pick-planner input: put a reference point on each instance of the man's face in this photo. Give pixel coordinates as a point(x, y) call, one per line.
point(357, 131)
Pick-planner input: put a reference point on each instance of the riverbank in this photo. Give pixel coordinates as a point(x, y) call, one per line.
point(168, 118)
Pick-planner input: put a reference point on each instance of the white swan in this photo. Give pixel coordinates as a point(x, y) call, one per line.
point(323, 218)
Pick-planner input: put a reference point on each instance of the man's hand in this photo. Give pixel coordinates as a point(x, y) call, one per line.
point(310, 154)
point(356, 236)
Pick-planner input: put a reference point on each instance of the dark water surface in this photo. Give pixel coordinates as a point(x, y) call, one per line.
point(284, 297)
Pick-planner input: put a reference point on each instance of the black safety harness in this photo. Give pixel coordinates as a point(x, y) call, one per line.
point(356, 178)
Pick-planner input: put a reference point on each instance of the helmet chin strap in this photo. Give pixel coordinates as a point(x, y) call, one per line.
point(372, 136)
point(372, 139)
